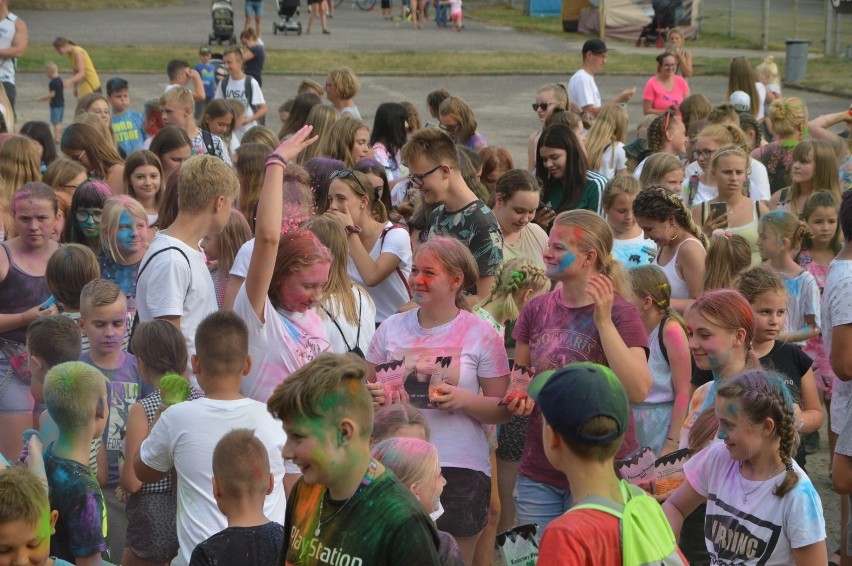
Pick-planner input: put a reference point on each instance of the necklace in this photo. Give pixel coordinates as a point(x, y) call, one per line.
point(742, 486)
point(368, 479)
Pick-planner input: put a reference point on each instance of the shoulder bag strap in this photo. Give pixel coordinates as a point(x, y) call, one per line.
point(398, 270)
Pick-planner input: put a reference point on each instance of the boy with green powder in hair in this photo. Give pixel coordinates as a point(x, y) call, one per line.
point(345, 509)
point(76, 397)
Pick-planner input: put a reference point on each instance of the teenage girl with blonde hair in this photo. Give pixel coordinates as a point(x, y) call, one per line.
point(814, 168)
point(347, 140)
point(680, 242)
point(605, 142)
point(516, 282)
point(663, 170)
point(124, 241)
point(727, 256)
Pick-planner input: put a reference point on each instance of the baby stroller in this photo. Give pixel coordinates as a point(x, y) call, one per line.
point(665, 18)
point(223, 23)
point(287, 9)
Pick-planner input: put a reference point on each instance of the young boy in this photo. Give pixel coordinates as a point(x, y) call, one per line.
point(152, 121)
point(56, 96)
point(126, 123)
point(181, 75)
point(240, 86)
point(207, 72)
point(103, 319)
point(586, 413)
point(331, 513)
point(173, 282)
point(241, 482)
point(186, 434)
point(76, 398)
point(433, 164)
point(26, 520)
point(254, 55)
point(177, 106)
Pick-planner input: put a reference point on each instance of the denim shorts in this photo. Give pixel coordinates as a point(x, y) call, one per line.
point(15, 396)
point(56, 115)
point(254, 8)
point(539, 503)
point(466, 500)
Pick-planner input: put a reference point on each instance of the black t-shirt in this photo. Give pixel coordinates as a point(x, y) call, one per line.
point(382, 525)
point(254, 66)
point(55, 86)
point(244, 546)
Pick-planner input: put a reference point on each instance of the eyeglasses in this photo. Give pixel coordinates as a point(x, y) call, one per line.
point(702, 152)
point(69, 186)
point(449, 129)
point(417, 180)
point(541, 106)
point(345, 174)
point(83, 215)
point(79, 156)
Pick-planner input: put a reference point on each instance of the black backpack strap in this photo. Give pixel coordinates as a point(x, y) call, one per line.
point(660, 337)
point(249, 93)
point(224, 84)
point(340, 330)
point(398, 270)
point(207, 137)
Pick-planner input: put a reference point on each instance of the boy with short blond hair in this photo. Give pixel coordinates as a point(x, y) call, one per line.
point(173, 281)
point(126, 123)
point(241, 87)
point(76, 398)
point(56, 96)
point(177, 105)
point(327, 413)
point(241, 482)
point(185, 436)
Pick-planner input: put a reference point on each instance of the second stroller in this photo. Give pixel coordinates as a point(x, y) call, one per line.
point(287, 9)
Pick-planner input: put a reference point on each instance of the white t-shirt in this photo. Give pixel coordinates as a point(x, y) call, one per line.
point(241, 263)
point(476, 352)
point(392, 292)
point(171, 287)
point(184, 439)
point(762, 531)
point(350, 332)
point(237, 91)
point(761, 97)
point(802, 300)
point(758, 180)
point(836, 310)
point(582, 89)
point(279, 346)
point(634, 252)
point(612, 162)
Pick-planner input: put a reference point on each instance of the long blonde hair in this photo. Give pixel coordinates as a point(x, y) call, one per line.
point(609, 128)
point(322, 117)
point(340, 138)
point(19, 164)
point(826, 178)
point(114, 207)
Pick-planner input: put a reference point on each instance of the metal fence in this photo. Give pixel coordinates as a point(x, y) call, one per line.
point(768, 23)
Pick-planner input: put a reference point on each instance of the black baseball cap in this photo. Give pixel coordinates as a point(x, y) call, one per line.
point(596, 46)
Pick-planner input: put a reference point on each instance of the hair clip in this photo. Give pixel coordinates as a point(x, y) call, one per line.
point(789, 467)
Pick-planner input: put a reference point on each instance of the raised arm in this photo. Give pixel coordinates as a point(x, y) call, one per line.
point(268, 222)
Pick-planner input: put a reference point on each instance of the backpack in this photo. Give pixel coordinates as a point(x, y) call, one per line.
point(645, 533)
point(207, 138)
point(135, 321)
point(248, 90)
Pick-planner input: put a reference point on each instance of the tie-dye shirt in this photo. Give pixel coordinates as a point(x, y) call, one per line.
point(81, 528)
point(382, 525)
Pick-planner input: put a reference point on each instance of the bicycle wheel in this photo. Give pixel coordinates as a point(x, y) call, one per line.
point(366, 5)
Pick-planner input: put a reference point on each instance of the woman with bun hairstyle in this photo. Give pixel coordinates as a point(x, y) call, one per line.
point(788, 120)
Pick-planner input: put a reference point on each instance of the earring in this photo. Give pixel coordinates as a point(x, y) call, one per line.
point(674, 237)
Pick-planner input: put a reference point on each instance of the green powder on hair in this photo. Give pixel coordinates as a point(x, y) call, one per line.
point(174, 389)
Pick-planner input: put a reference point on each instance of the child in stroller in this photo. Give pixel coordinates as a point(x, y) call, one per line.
point(287, 9)
point(665, 17)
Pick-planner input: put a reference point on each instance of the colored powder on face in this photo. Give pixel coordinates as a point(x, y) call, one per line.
point(174, 389)
point(566, 261)
point(579, 235)
point(722, 434)
point(733, 409)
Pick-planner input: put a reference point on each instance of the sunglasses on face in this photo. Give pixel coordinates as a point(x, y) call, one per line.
point(541, 106)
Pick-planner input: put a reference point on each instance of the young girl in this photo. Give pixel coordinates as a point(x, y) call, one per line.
point(818, 250)
point(630, 246)
point(684, 57)
point(789, 119)
point(222, 248)
point(699, 184)
point(23, 291)
point(814, 168)
point(495, 162)
point(666, 134)
point(379, 252)
point(547, 99)
point(605, 142)
point(399, 420)
point(248, 166)
point(443, 340)
point(681, 245)
point(729, 168)
point(84, 219)
point(585, 319)
point(563, 169)
point(68, 270)
point(516, 198)
point(285, 279)
point(753, 488)
point(144, 181)
point(741, 77)
point(124, 241)
point(516, 282)
point(346, 309)
point(663, 170)
point(84, 143)
point(19, 164)
point(767, 74)
point(780, 238)
point(727, 257)
point(172, 146)
point(151, 507)
point(218, 119)
point(64, 175)
point(388, 137)
point(348, 140)
point(768, 298)
point(458, 120)
point(659, 418)
point(720, 328)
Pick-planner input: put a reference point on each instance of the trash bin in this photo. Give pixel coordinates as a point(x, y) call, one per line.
point(796, 65)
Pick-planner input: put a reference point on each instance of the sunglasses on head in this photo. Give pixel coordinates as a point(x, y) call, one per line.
point(345, 174)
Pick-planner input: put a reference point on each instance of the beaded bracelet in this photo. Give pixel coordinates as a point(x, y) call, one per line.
point(275, 159)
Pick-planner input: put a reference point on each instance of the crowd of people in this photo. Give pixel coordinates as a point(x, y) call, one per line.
point(222, 344)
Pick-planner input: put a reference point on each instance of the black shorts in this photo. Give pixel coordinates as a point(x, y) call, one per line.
point(511, 439)
point(466, 500)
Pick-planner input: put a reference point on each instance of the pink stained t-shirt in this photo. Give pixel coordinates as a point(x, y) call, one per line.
point(661, 98)
point(558, 335)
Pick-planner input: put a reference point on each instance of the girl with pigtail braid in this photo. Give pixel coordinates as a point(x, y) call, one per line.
point(516, 282)
point(667, 221)
point(761, 506)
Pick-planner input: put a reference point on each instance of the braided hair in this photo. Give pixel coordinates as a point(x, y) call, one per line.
point(761, 395)
point(658, 129)
point(512, 278)
point(656, 203)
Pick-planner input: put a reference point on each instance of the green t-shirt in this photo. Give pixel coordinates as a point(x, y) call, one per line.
point(382, 525)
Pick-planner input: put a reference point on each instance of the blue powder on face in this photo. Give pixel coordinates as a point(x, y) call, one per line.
point(566, 261)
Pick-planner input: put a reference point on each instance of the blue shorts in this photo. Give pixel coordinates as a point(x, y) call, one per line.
point(254, 8)
point(56, 115)
point(15, 396)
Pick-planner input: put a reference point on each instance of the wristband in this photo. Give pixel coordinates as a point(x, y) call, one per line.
point(275, 159)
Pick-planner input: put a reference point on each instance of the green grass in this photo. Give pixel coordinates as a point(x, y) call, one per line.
point(515, 18)
point(85, 4)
